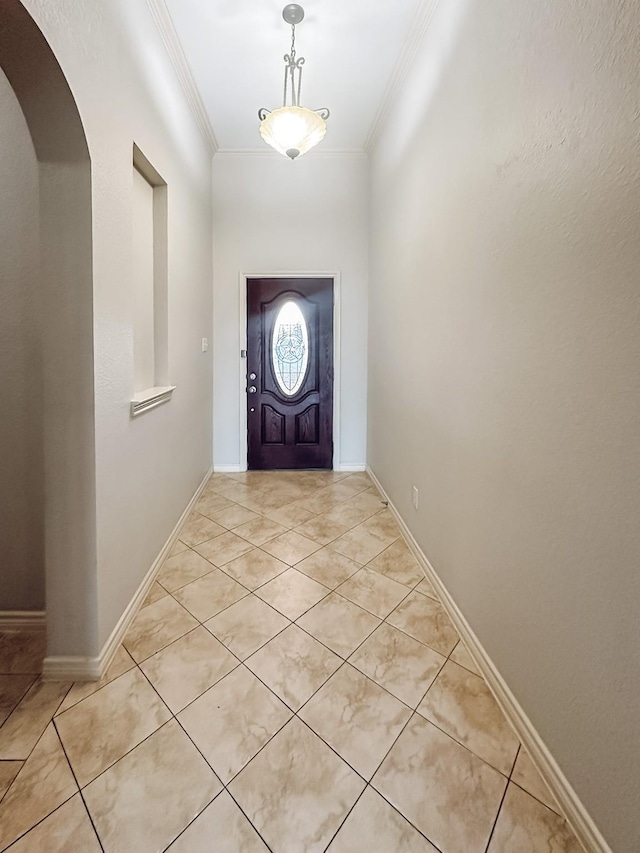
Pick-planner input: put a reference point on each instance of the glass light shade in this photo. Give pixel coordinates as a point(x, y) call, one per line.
point(292, 130)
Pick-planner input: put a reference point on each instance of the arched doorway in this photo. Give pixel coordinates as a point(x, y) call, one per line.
point(62, 350)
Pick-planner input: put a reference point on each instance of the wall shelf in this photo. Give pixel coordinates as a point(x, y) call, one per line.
point(143, 401)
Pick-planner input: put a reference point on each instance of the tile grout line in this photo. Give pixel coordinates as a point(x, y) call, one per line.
point(396, 809)
point(249, 821)
point(346, 817)
point(240, 662)
point(522, 788)
point(495, 820)
point(53, 811)
point(79, 791)
point(294, 622)
point(173, 718)
point(414, 711)
point(370, 783)
point(137, 664)
point(272, 539)
point(225, 785)
point(38, 739)
point(295, 713)
point(24, 761)
point(296, 503)
point(34, 679)
point(345, 660)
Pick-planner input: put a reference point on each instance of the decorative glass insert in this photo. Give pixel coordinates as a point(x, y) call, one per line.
point(290, 352)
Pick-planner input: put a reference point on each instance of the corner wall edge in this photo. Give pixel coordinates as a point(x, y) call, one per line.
point(78, 668)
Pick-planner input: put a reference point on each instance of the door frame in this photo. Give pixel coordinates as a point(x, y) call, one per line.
point(242, 281)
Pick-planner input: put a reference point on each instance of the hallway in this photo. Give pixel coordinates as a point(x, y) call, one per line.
point(291, 683)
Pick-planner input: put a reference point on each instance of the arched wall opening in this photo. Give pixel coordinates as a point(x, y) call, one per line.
point(56, 357)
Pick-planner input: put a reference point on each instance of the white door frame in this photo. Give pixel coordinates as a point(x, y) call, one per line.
point(335, 276)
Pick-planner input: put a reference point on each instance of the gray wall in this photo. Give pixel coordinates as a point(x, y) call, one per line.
point(21, 457)
point(147, 469)
point(504, 372)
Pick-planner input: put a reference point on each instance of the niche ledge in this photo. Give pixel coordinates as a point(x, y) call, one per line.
point(144, 401)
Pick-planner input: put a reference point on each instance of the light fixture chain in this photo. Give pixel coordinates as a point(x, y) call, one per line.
point(295, 98)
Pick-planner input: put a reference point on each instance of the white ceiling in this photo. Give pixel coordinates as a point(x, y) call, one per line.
point(235, 48)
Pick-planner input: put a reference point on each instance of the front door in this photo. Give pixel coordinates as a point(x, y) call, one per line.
point(290, 373)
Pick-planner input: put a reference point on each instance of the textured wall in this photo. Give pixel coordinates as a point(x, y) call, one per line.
point(146, 469)
point(271, 214)
point(21, 460)
point(504, 372)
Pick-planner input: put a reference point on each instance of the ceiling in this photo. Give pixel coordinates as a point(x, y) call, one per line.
point(234, 54)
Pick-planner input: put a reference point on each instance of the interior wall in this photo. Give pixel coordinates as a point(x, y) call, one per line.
point(504, 381)
point(147, 468)
point(65, 304)
point(275, 215)
point(22, 584)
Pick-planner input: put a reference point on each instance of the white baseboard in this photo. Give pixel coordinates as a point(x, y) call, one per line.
point(577, 816)
point(23, 620)
point(72, 668)
point(347, 467)
point(77, 668)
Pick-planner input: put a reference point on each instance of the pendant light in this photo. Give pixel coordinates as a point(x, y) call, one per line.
point(292, 130)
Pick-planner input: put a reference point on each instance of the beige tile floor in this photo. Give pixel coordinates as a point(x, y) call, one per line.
point(291, 683)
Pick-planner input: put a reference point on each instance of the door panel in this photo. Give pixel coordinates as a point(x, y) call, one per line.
point(290, 351)
point(272, 426)
point(307, 426)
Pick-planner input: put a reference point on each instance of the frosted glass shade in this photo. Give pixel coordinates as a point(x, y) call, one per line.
point(292, 130)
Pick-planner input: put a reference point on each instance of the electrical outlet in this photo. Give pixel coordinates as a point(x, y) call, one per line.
point(414, 496)
point(205, 344)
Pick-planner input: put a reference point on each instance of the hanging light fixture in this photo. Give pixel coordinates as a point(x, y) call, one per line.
point(292, 130)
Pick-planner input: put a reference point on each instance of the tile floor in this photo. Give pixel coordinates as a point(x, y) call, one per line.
point(291, 684)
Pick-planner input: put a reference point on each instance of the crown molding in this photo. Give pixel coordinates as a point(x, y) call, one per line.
point(417, 32)
point(269, 152)
point(171, 41)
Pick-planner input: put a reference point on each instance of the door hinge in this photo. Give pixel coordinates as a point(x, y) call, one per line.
point(243, 353)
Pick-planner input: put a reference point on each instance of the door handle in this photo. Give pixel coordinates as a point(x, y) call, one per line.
point(252, 389)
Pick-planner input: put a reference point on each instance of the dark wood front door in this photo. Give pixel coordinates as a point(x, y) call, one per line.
point(290, 373)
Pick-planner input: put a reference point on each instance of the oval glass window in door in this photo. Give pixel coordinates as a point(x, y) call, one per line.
point(290, 350)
